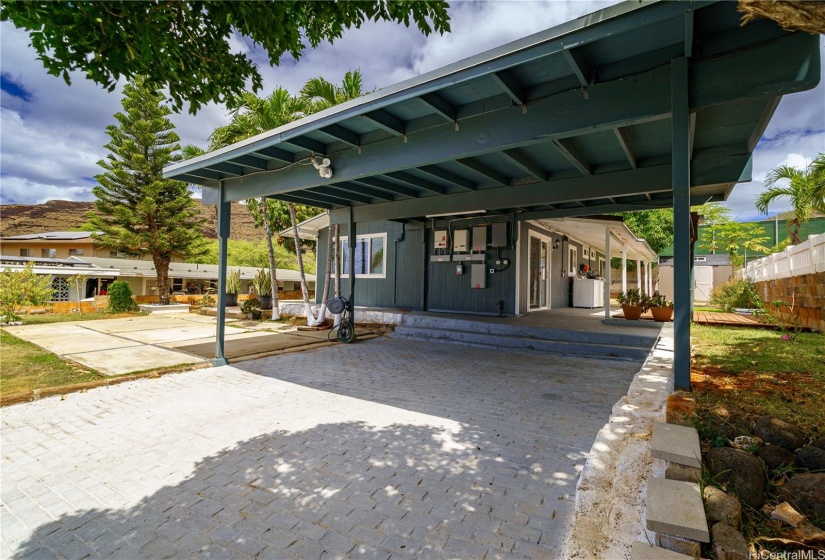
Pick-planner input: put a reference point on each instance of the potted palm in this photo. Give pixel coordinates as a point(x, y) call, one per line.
point(633, 304)
point(233, 285)
point(661, 309)
point(263, 287)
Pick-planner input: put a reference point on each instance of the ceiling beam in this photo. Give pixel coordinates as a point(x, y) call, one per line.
point(362, 189)
point(382, 185)
point(525, 163)
point(303, 200)
point(206, 174)
point(482, 169)
point(510, 85)
point(320, 198)
point(225, 167)
point(689, 34)
point(345, 135)
point(308, 144)
point(387, 121)
point(276, 153)
point(445, 175)
point(627, 147)
point(579, 65)
point(332, 192)
point(440, 106)
point(610, 208)
point(573, 155)
point(417, 182)
point(251, 161)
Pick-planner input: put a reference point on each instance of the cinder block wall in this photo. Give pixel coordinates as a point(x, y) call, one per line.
point(810, 296)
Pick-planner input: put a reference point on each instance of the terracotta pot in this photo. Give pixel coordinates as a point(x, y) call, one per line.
point(662, 314)
point(632, 312)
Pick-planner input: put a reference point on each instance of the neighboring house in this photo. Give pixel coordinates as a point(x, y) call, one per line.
point(477, 265)
point(708, 272)
point(61, 271)
point(57, 245)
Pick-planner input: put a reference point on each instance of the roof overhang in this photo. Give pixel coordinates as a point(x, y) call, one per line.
point(572, 121)
point(592, 233)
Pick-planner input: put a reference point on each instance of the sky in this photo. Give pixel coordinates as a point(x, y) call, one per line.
point(52, 135)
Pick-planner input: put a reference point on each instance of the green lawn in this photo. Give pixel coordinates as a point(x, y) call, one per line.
point(24, 366)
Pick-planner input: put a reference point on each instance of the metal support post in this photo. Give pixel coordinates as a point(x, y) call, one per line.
point(607, 272)
point(681, 222)
point(352, 244)
point(639, 275)
point(224, 210)
point(624, 268)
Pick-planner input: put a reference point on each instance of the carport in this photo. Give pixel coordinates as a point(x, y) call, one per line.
point(640, 105)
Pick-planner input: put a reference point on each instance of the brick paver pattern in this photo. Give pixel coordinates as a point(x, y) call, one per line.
point(382, 449)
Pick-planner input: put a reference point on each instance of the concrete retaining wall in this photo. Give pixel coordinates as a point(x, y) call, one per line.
point(810, 297)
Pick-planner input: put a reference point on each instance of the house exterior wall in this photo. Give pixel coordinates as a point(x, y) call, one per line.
point(62, 248)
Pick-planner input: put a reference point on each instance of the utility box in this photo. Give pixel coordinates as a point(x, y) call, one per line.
point(461, 240)
point(480, 238)
point(478, 276)
point(440, 237)
point(499, 237)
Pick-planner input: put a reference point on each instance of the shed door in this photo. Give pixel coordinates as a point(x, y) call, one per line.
point(703, 283)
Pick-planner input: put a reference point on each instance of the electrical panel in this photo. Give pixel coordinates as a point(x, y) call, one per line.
point(478, 276)
point(440, 239)
point(480, 239)
point(461, 240)
point(499, 237)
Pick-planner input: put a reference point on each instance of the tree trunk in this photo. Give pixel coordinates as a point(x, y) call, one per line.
point(273, 273)
point(794, 233)
point(322, 313)
point(162, 268)
point(304, 291)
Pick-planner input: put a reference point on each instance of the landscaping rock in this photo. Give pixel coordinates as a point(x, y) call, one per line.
point(746, 443)
point(778, 432)
point(806, 492)
point(820, 443)
point(680, 545)
point(675, 471)
point(776, 457)
point(722, 507)
point(741, 472)
point(785, 513)
point(811, 458)
point(727, 543)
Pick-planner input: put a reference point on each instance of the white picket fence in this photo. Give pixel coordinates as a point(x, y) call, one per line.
point(806, 258)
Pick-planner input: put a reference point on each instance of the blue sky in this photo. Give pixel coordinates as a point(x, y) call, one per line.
point(39, 111)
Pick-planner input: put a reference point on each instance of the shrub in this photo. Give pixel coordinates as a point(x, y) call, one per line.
point(24, 287)
point(736, 294)
point(250, 305)
point(120, 297)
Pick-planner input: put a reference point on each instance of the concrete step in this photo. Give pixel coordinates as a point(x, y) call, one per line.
point(641, 338)
point(677, 444)
point(644, 551)
point(676, 508)
point(515, 341)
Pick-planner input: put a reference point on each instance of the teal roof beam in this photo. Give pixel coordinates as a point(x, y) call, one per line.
point(440, 106)
point(343, 196)
point(526, 164)
point(308, 144)
point(251, 161)
point(277, 153)
point(228, 168)
point(482, 169)
point(573, 155)
point(627, 147)
point(386, 186)
point(417, 182)
point(445, 175)
point(510, 85)
point(387, 121)
point(302, 198)
point(579, 65)
point(356, 188)
point(345, 135)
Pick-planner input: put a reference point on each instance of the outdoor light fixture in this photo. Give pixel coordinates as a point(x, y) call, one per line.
point(556, 244)
point(322, 166)
point(455, 214)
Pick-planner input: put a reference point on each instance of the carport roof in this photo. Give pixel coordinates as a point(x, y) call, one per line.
point(572, 121)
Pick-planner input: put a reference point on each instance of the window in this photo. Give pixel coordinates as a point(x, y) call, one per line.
point(573, 262)
point(25, 252)
point(370, 257)
point(60, 289)
point(75, 252)
point(177, 284)
point(699, 259)
point(116, 255)
point(584, 253)
point(48, 253)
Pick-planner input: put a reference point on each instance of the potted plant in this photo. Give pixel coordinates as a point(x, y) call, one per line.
point(252, 309)
point(263, 287)
point(233, 285)
point(661, 309)
point(633, 304)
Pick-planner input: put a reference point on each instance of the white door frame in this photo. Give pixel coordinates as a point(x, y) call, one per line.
point(548, 268)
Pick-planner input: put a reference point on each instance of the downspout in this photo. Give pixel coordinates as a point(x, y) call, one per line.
point(395, 263)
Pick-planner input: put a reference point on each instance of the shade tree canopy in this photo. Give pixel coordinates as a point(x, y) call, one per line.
point(184, 47)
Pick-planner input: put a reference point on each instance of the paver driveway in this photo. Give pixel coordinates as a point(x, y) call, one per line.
point(387, 448)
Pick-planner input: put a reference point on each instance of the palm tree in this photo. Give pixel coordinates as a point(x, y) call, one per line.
point(253, 115)
point(323, 94)
point(805, 189)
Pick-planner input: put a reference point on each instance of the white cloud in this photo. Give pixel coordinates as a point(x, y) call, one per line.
point(16, 190)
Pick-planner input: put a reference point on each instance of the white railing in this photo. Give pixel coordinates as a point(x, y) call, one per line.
point(806, 258)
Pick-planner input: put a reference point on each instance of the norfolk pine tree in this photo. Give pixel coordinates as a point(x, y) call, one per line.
point(137, 211)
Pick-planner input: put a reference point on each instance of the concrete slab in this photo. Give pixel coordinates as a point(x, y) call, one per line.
point(235, 348)
point(173, 333)
point(676, 508)
point(118, 361)
point(645, 551)
point(78, 340)
point(677, 444)
point(240, 335)
point(116, 326)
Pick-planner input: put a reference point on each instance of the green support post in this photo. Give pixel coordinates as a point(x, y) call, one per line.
point(224, 210)
point(352, 243)
point(682, 269)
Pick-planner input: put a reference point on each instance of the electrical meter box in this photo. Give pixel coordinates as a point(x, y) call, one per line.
point(478, 276)
point(480, 238)
point(499, 234)
point(461, 240)
point(440, 239)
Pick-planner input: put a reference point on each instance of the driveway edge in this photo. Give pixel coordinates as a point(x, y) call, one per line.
point(610, 494)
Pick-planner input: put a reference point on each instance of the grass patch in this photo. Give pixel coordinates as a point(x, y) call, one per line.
point(708, 309)
point(753, 372)
point(69, 317)
point(25, 367)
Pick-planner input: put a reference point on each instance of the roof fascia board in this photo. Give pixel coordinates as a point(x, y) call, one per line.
point(586, 29)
